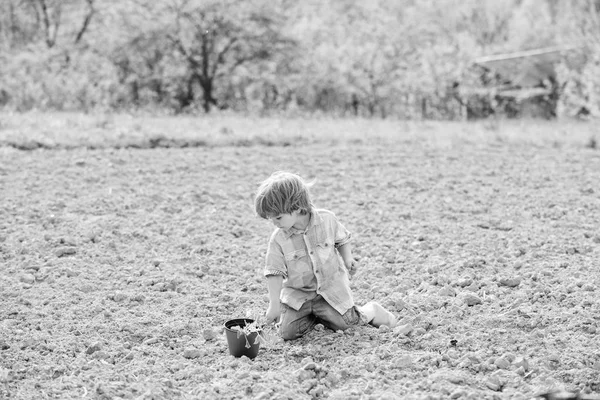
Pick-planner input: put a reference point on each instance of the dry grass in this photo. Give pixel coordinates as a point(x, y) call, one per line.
point(68, 130)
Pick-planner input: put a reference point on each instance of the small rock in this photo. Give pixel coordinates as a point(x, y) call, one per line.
point(309, 384)
point(70, 273)
point(119, 297)
point(452, 354)
point(94, 348)
point(588, 287)
point(520, 371)
point(433, 269)
point(403, 329)
point(471, 299)
point(225, 298)
point(310, 365)
point(29, 343)
point(331, 379)
point(590, 329)
point(317, 391)
point(400, 304)
point(101, 355)
point(209, 334)
point(447, 291)
point(92, 236)
point(191, 353)
point(474, 358)
point(518, 265)
point(465, 282)
point(263, 396)
point(28, 279)
point(306, 360)
point(305, 375)
point(140, 298)
point(402, 361)
point(493, 383)
point(502, 363)
point(521, 363)
point(86, 288)
point(418, 331)
point(33, 267)
point(510, 282)
point(457, 394)
point(65, 251)
point(67, 241)
point(456, 379)
point(4, 345)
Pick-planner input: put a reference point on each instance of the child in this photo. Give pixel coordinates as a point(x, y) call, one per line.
point(307, 263)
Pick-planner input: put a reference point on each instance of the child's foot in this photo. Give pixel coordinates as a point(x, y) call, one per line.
point(377, 315)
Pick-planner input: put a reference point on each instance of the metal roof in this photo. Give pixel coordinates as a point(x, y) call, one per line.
point(526, 68)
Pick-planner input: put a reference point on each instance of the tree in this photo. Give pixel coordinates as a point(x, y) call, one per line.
point(215, 38)
point(579, 25)
point(17, 24)
point(28, 20)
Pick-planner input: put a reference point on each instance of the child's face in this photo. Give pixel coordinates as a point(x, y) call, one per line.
point(285, 221)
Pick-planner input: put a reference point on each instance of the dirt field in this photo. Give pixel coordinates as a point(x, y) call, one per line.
point(119, 267)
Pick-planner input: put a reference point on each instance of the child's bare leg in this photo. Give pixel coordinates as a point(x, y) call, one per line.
point(377, 315)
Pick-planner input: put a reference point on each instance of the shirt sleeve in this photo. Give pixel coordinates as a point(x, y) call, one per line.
point(275, 261)
point(342, 235)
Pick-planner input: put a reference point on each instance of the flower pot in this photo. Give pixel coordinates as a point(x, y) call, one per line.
point(239, 343)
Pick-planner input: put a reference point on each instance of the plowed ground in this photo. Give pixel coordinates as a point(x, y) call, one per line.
point(119, 267)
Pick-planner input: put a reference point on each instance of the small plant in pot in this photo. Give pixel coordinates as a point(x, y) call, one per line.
point(244, 336)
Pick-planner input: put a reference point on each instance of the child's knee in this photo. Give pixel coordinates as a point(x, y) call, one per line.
point(289, 332)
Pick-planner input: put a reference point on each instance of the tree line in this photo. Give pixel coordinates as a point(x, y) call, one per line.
point(401, 58)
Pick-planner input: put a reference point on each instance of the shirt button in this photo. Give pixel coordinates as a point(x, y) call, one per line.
point(311, 252)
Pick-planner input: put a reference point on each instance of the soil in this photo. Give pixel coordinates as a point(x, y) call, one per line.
point(119, 269)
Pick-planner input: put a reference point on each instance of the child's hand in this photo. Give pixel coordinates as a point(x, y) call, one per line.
point(352, 268)
point(273, 313)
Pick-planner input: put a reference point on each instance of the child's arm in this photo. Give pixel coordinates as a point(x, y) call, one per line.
point(274, 284)
point(345, 251)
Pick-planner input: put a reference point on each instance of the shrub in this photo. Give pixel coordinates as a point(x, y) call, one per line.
point(581, 80)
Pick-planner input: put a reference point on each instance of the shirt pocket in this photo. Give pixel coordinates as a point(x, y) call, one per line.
point(326, 252)
point(299, 269)
point(293, 256)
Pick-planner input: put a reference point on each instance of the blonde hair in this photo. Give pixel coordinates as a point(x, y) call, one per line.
point(282, 193)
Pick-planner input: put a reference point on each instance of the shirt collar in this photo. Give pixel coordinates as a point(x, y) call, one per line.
point(315, 219)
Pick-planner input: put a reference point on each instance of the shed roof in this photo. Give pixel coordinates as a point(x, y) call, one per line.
point(526, 68)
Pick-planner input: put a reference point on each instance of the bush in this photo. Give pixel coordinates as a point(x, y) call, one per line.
point(54, 79)
point(581, 81)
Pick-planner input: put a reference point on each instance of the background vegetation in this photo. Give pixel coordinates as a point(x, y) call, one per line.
point(402, 58)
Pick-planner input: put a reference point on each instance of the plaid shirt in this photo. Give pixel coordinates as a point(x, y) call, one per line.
point(310, 263)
